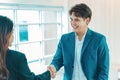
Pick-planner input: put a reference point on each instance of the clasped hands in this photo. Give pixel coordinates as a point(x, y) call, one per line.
point(52, 70)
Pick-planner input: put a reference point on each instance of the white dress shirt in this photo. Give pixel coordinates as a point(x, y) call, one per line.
point(77, 71)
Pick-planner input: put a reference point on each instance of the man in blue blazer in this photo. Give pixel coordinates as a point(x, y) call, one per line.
point(83, 52)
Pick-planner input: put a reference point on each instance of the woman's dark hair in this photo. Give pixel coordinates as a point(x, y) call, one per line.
point(6, 27)
point(81, 10)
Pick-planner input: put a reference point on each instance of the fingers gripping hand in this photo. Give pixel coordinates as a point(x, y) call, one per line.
point(52, 70)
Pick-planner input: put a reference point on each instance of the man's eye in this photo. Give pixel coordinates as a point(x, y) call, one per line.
point(76, 20)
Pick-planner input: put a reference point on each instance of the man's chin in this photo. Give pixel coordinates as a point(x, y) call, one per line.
point(75, 30)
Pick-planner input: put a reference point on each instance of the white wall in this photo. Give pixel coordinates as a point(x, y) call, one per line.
point(37, 2)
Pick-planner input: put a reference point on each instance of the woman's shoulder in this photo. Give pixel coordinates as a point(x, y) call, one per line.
point(14, 53)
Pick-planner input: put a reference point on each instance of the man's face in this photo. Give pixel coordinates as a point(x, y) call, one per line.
point(78, 24)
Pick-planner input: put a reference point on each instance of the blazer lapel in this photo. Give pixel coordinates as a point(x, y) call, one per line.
point(71, 44)
point(86, 41)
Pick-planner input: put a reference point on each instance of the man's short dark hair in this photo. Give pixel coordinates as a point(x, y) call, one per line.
point(81, 10)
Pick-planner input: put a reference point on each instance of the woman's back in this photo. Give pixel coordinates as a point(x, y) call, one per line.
point(18, 68)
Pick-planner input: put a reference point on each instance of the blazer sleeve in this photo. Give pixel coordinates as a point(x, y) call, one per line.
point(58, 58)
point(103, 60)
point(26, 74)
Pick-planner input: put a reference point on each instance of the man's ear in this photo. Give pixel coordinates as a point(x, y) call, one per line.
point(87, 20)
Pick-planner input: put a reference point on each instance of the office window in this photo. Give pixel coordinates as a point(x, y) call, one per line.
point(37, 30)
point(29, 16)
point(7, 12)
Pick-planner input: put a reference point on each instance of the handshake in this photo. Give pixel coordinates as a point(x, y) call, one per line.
point(50, 73)
point(52, 70)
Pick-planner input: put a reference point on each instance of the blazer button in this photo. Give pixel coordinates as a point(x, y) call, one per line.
point(72, 66)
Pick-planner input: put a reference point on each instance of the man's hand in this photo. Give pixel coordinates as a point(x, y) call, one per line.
point(52, 70)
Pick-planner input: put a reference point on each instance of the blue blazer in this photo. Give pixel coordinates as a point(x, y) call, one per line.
point(18, 68)
point(94, 56)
